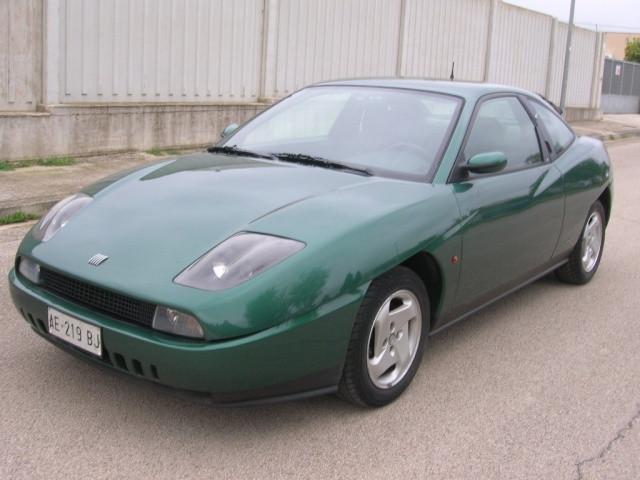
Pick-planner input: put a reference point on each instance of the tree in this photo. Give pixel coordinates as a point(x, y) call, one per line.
point(632, 50)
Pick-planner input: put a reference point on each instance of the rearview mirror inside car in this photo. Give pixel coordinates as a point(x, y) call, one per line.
point(489, 162)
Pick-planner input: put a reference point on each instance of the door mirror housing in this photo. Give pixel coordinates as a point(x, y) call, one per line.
point(229, 129)
point(490, 162)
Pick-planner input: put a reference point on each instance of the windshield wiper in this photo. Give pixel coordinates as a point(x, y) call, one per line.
point(235, 151)
point(303, 159)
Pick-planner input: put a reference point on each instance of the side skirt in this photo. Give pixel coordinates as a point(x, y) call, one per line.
point(499, 297)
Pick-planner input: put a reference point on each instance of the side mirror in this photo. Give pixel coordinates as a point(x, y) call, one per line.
point(229, 130)
point(490, 162)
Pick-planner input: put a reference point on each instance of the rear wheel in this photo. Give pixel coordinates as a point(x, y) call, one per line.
point(387, 340)
point(585, 257)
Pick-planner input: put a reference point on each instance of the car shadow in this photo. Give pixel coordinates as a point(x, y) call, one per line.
point(112, 393)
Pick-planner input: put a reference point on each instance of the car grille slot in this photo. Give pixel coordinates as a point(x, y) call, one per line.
point(105, 301)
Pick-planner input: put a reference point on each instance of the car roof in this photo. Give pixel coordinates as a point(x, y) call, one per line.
point(467, 90)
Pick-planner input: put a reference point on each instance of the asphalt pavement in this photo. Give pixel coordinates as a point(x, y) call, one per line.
point(543, 384)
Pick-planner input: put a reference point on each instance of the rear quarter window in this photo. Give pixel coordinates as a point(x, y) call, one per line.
point(559, 134)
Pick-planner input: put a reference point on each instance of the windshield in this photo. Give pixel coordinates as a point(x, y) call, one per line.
point(392, 132)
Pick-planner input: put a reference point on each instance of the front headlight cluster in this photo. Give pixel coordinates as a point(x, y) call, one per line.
point(236, 260)
point(232, 262)
point(59, 216)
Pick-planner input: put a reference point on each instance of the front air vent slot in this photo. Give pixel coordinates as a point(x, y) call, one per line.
point(120, 362)
point(41, 325)
point(132, 365)
point(35, 322)
point(137, 367)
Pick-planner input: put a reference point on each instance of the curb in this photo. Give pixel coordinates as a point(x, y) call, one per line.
point(612, 137)
point(620, 136)
point(38, 208)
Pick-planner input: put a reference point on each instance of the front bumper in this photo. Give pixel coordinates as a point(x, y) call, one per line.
point(300, 356)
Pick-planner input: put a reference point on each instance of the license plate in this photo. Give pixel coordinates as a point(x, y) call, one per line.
point(76, 332)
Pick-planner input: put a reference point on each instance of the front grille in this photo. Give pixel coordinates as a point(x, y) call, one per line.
point(105, 301)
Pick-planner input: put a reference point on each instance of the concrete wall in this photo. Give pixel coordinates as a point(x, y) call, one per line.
point(136, 58)
point(20, 54)
point(520, 48)
point(437, 33)
point(311, 40)
point(585, 67)
point(95, 129)
point(159, 51)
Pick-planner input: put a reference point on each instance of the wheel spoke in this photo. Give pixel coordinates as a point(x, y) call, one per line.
point(379, 365)
point(402, 348)
point(381, 329)
point(402, 315)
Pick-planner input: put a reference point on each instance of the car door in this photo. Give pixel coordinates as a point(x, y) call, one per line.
point(511, 220)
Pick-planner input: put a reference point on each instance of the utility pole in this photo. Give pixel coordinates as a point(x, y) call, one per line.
point(567, 55)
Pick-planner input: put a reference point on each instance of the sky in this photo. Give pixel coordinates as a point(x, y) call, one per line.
point(608, 15)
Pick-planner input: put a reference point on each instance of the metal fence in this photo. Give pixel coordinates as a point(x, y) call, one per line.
point(621, 87)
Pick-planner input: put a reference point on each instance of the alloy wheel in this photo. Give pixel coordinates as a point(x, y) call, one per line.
point(591, 242)
point(394, 339)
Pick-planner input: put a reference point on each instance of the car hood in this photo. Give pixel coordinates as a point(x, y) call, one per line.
point(156, 221)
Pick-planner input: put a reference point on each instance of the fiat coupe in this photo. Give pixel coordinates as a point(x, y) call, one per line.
point(316, 248)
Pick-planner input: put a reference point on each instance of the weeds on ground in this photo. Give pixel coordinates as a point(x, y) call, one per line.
point(37, 162)
point(159, 152)
point(17, 217)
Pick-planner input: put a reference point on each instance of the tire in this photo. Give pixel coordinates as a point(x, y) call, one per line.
point(397, 297)
point(577, 270)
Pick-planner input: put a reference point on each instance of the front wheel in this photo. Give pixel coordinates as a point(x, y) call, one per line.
point(585, 257)
point(387, 340)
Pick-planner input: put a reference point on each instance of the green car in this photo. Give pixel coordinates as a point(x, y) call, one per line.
point(317, 248)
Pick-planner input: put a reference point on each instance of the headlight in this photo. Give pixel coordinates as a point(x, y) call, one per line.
point(237, 260)
point(59, 216)
point(178, 323)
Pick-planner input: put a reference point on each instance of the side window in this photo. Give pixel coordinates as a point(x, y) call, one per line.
point(560, 135)
point(503, 125)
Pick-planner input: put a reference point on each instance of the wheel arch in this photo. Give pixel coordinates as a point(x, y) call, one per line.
point(426, 267)
point(605, 199)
